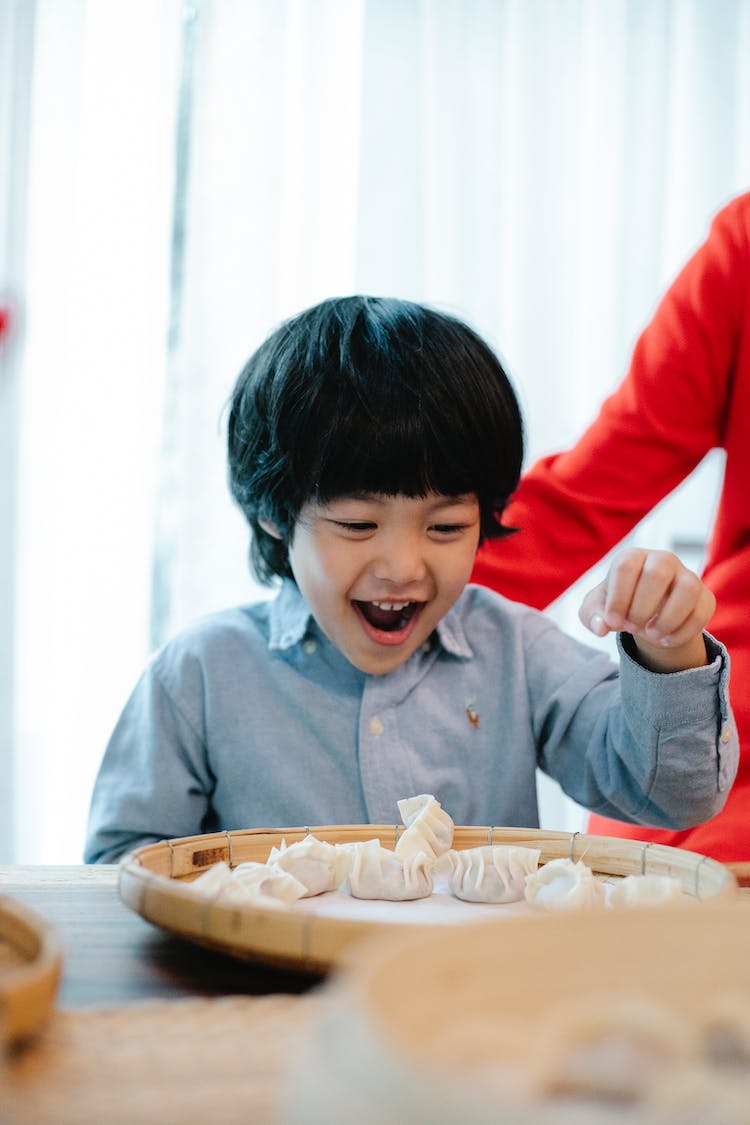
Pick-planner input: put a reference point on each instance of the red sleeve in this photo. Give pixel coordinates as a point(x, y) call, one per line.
point(668, 412)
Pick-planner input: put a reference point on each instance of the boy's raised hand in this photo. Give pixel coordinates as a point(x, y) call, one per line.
point(651, 595)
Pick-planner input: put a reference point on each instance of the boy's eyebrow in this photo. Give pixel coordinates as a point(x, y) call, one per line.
point(465, 499)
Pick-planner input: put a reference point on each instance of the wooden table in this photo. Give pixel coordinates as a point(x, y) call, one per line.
point(112, 956)
point(148, 1028)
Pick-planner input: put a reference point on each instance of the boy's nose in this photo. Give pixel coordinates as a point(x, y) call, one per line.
point(400, 564)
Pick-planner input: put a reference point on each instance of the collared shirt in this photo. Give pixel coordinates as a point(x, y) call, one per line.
point(252, 718)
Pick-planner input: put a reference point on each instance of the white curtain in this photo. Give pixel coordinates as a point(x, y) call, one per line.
point(539, 167)
point(91, 296)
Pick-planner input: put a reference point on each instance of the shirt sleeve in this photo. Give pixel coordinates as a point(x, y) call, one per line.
point(669, 411)
point(662, 750)
point(154, 782)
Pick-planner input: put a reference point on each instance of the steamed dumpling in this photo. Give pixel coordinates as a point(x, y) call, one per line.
point(268, 880)
point(641, 890)
point(249, 882)
point(318, 865)
point(493, 873)
point(376, 872)
point(211, 881)
point(429, 828)
point(564, 885)
point(610, 1049)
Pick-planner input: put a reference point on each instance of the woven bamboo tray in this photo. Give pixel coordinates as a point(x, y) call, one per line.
point(153, 882)
point(30, 964)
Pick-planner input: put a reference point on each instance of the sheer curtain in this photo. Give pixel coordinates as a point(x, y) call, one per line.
point(91, 297)
point(539, 167)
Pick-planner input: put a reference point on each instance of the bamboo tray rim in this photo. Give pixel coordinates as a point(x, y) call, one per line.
point(27, 990)
point(152, 881)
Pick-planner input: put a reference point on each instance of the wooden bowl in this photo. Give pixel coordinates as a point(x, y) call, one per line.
point(30, 965)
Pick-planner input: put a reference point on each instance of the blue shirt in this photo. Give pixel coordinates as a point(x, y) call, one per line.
point(252, 718)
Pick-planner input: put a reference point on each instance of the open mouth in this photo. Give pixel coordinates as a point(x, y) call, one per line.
point(388, 617)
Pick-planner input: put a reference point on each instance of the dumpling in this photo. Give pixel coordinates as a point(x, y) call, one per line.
point(493, 873)
point(564, 885)
point(378, 873)
point(641, 890)
point(268, 880)
point(611, 1050)
point(429, 828)
point(260, 883)
point(318, 865)
point(211, 881)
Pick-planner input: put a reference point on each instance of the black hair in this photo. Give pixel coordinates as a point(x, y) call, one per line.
point(369, 394)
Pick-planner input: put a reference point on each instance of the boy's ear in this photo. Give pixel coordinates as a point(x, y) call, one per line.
point(271, 528)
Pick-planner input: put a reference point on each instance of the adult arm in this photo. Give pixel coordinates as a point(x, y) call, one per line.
point(669, 411)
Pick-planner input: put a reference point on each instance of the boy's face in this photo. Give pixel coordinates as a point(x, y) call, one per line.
point(379, 572)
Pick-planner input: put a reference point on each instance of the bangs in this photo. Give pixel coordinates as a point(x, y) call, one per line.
point(394, 453)
point(401, 427)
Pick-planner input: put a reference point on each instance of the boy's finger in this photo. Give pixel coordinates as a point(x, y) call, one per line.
point(621, 582)
point(591, 612)
point(687, 609)
point(690, 628)
point(662, 577)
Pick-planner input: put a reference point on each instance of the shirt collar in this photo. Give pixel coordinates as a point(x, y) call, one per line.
point(451, 632)
point(290, 619)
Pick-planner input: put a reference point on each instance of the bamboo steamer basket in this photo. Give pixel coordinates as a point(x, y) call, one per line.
point(154, 882)
point(30, 966)
point(475, 1023)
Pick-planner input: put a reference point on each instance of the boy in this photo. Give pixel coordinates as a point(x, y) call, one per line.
point(373, 445)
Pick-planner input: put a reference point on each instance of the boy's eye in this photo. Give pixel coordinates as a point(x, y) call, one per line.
point(355, 525)
point(448, 528)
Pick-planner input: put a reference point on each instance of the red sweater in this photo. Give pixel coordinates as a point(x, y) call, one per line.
point(687, 391)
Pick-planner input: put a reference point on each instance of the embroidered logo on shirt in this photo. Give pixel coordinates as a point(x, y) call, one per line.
point(472, 715)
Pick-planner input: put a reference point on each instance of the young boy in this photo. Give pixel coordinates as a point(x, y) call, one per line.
point(373, 444)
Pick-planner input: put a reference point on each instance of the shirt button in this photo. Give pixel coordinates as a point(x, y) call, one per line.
point(726, 734)
point(309, 647)
point(376, 726)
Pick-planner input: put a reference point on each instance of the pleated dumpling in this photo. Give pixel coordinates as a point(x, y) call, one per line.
point(376, 872)
point(261, 883)
point(269, 881)
point(318, 865)
point(493, 873)
point(429, 828)
point(562, 884)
